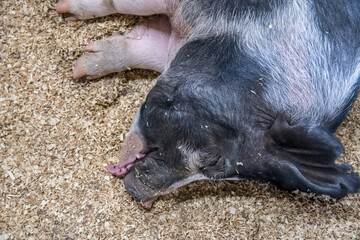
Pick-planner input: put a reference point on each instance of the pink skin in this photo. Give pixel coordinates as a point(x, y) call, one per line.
point(149, 46)
point(144, 47)
point(130, 152)
point(87, 9)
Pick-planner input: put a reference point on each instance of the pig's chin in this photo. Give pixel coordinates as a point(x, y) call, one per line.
point(144, 195)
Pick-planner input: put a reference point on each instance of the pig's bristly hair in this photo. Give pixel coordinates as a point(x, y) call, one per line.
point(311, 74)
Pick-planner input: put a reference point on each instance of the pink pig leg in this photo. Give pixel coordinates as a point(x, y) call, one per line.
point(145, 47)
point(87, 9)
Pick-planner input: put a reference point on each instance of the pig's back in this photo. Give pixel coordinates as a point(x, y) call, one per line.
point(309, 50)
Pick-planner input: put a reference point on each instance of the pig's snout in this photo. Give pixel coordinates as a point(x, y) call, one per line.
point(132, 150)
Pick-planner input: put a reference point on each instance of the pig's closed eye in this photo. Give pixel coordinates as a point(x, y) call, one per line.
point(216, 161)
point(215, 168)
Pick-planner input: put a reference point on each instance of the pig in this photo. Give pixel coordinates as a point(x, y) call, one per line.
point(249, 89)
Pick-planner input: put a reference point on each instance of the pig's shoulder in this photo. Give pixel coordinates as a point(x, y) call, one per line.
point(340, 20)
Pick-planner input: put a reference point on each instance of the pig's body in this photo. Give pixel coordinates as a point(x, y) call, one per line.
point(249, 89)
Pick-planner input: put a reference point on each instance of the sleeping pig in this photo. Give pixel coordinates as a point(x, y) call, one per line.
point(250, 89)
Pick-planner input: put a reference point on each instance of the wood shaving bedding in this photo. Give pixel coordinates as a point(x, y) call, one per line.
point(58, 135)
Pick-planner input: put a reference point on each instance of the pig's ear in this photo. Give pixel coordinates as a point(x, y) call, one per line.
point(303, 158)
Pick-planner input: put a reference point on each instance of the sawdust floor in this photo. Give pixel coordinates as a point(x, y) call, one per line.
point(57, 136)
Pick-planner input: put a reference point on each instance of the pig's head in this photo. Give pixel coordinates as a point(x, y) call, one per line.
point(213, 123)
point(181, 133)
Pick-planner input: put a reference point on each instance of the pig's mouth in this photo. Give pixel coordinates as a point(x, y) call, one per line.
point(134, 150)
point(124, 167)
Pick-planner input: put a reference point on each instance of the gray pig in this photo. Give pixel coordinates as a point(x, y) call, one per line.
point(250, 89)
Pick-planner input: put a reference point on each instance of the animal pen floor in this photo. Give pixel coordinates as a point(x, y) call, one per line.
point(58, 135)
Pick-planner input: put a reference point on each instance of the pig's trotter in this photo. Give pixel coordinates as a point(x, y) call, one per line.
point(79, 69)
point(145, 47)
point(87, 9)
point(63, 6)
point(102, 57)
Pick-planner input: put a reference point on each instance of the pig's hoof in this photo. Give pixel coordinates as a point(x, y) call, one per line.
point(84, 9)
point(101, 58)
point(63, 6)
point(79, 69)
